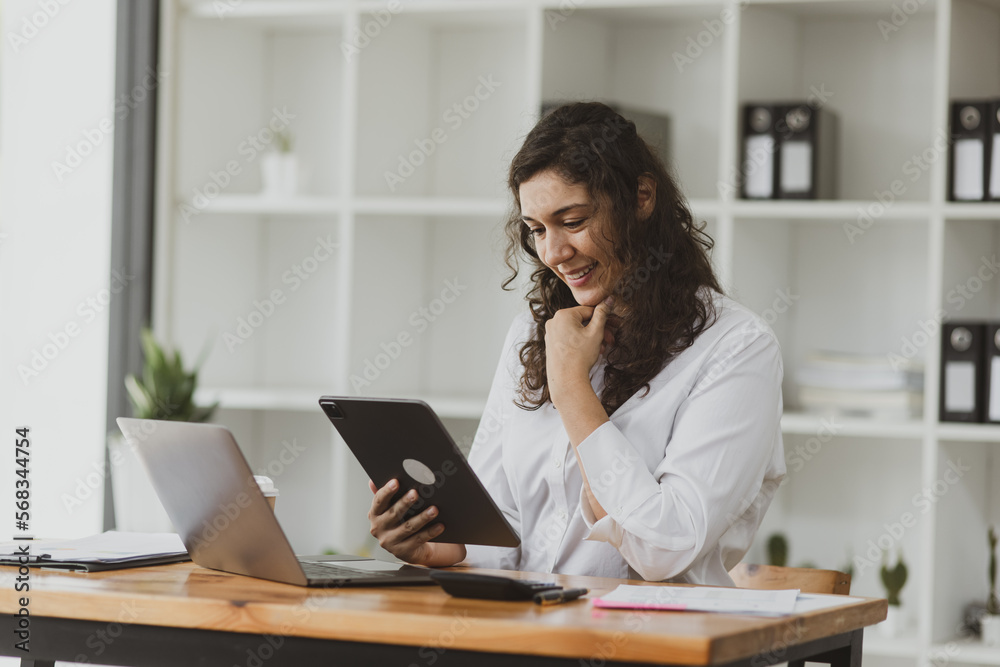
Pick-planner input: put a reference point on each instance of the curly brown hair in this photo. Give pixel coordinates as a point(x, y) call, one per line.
point(661, 310)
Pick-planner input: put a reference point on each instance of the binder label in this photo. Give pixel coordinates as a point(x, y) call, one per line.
point(960, 386)
point(759, 166)
point(796, 166)
point(968, 169)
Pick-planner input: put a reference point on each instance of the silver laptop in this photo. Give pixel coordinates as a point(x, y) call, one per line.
point(208, 490)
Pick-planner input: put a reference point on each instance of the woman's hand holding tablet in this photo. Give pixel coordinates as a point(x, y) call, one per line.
point(407, 539)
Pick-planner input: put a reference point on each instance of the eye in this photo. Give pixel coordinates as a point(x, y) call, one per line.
point(536, 231)
point(573, 224)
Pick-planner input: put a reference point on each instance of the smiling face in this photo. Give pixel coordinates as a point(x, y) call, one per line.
point(563, 219)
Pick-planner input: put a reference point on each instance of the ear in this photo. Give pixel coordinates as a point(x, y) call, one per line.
point(646, 196)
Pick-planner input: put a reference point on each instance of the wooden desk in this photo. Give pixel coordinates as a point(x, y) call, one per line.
point(183, 614)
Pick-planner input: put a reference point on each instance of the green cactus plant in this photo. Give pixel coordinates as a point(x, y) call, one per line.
point(777, 550)
point(166, 390)
point(992, 603)
point(894, 579)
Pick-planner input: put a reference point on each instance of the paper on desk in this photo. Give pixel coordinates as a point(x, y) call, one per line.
point(807, 602)
point(700, 598)
point(108, 547)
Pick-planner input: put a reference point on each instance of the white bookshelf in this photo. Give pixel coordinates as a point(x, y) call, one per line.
point(395, 247)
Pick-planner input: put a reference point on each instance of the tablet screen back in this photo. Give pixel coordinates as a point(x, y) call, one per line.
point(404, 440)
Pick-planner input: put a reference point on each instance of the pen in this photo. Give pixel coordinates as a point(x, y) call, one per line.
point(556, 597)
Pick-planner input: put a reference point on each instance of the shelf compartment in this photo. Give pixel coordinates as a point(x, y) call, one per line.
point(962, 493)
point(594, 54)
point(832, 534)
point(273, 79)
point(789, 54)
point(438, 327)
point(275, 325)
point(974, 62)
point(813, 286)
point(970, 270)
point(450, 134)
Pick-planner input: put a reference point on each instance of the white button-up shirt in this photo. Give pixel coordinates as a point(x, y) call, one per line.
point(685, 472)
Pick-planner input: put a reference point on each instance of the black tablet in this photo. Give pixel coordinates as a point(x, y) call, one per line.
point(403, 439)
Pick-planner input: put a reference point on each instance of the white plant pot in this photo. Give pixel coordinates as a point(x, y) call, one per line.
point(990, 624)
point(279, 174)
point(894, 623)
point(137, 508)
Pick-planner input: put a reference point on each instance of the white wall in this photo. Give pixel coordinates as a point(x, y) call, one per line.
point(56, 92)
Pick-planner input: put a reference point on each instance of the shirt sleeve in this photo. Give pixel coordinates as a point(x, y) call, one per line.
point(486, 456)
point(723, 441)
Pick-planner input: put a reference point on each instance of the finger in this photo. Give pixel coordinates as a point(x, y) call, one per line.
point(408, 528)
point(600, 316)
point(388, 520)
point(371, 485)
point(579, 314)
point(383, 497)
point(423, 536)
point(396, 513)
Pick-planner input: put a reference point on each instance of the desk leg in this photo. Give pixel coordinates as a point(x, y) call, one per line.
point(848, 656)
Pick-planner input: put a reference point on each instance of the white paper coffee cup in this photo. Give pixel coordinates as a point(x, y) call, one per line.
point(266, 485)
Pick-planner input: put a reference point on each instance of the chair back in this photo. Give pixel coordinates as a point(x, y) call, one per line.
point(807, 580)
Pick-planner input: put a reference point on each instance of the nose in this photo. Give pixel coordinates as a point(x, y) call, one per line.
point(557, 248)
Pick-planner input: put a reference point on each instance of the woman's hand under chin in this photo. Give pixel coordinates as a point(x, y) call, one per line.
point(574, 339)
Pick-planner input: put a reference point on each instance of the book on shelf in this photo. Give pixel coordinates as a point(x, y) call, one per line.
point(862, 386)
point(892, 405)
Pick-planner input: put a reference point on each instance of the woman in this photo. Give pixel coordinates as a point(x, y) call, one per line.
point(633, 425)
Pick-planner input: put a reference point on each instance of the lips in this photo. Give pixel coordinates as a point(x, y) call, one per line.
point(577, 275)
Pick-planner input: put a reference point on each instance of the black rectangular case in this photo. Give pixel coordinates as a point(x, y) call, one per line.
point(962, 377)
point(970, 124)
point(758, 165)
point(814, 131)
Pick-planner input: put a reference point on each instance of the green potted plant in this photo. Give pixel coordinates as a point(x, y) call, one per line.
point(893, 579)
point(990, 622)
point(164, 391)
point(777, 550)
point(279, 167)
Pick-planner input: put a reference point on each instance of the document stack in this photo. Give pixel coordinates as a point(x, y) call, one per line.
point(859, 386)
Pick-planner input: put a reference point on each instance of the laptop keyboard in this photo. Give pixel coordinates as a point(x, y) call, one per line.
point(319, 570)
